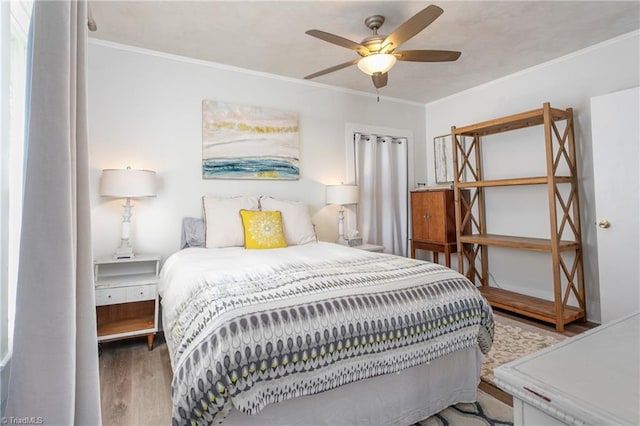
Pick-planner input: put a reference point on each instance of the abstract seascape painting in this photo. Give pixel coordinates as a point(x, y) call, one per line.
point(247, 142)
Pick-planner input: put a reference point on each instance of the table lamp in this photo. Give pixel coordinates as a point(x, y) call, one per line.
point(342, 195)
point(128, 183)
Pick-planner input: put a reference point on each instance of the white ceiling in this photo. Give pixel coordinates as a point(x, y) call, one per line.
point(495, 38)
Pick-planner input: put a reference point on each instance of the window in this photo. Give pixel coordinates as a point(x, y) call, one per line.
point(14, 24)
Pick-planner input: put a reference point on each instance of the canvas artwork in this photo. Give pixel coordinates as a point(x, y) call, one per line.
point(247, 142)
point(443, 152)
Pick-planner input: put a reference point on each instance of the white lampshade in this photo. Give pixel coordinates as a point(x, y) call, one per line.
point(378, 62)
point(342, 194)
point(128, 183)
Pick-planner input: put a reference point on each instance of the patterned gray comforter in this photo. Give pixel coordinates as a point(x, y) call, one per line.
point(252, 327)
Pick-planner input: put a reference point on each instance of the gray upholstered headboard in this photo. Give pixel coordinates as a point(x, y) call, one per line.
point(192, 232)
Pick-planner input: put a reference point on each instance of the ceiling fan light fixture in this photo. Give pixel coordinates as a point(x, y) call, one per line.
point(377, 62)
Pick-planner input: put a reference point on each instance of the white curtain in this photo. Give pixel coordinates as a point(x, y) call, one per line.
point(54, 371)
point(381, 175)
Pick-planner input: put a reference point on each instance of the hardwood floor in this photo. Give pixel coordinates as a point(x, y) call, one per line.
point(135, 383)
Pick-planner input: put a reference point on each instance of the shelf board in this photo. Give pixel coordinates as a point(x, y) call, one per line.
point(525, 243)
point(126, 326)
point(529, 306)
point(137, 258)
point(538, 180)
point(126, 280)
point(512, 122)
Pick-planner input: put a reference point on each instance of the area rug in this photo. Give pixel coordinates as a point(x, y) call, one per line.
point(487, 410)
point(514, 339)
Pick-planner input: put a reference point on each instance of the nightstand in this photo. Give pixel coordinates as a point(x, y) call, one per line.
point(369, 247)
point(127, 297)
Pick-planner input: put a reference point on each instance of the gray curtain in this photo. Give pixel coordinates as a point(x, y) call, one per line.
point(54, 371)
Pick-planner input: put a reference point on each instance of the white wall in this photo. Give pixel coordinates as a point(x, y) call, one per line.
point(145, 111)
point(566, 82)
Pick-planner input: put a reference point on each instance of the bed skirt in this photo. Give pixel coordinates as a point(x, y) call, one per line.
point(400, 398)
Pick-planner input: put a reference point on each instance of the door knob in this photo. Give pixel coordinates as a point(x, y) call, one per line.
point(604, 224)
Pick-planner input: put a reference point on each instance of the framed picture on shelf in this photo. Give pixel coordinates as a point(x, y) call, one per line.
point(443, 157)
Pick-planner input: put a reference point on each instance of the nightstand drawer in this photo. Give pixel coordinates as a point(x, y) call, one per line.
point(142, 292)
point(110, 296)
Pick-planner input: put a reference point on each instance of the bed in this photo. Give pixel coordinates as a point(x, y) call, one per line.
point(318, 333)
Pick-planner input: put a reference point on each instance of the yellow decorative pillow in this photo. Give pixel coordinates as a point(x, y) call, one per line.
point(262, 229)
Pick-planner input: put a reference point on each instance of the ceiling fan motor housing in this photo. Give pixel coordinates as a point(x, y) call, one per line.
point(373, 43)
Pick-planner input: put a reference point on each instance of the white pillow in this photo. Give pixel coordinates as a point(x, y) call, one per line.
point(296, 220)
point(223, 224)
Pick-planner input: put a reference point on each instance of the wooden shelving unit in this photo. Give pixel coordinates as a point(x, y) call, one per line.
point(564, 244)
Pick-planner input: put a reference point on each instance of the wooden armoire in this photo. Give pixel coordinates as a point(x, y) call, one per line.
point(433, 223)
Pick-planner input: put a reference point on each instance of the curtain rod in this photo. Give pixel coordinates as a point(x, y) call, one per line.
point(394, 139)
point(91, 23)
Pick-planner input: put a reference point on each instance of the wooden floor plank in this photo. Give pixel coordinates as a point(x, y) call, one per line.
point(496, 392)
point(152, 399)
point(115, 385)
point(135, 383)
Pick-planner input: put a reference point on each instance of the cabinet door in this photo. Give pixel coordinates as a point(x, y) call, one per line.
point(428, 213)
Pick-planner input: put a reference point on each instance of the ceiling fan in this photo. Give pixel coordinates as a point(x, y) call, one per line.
point(378, 52)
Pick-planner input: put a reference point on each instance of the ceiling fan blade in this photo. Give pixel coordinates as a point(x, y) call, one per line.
point(340, 41)
point(427, 55)
point(379, 79)
point(411, 27)
point(332, 69)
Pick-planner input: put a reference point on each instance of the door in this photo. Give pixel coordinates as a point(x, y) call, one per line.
point(428, 216)
point(615, 119)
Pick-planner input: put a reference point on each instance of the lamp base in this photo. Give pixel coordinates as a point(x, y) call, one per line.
point(354, 241)
point(342, 241)
point(124, 253)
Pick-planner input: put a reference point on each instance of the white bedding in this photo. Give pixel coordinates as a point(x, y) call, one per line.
point(207, 291)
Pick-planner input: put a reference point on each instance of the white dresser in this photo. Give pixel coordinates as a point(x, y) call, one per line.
point(590, 379)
